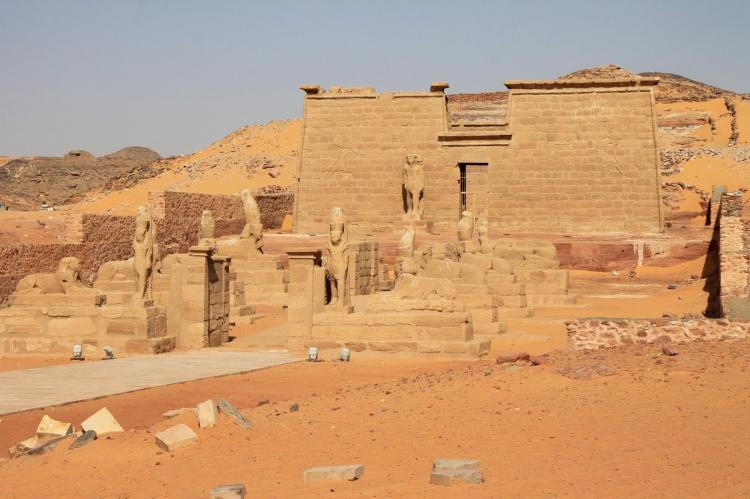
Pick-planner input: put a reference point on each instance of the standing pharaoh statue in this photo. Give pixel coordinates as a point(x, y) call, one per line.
point(485, 245)
point(465, 233)
point(253, 228)
point(208, 230)
point(405, 263)
point(146, 252)
point(413, 173)
point(336, 259)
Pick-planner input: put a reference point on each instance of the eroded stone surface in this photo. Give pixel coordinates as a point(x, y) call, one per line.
point(207, 412)
point(85, 438)
point(49, 426)
point(341, 473)
point(175, 437)
point(452, 471)
point(230, 410)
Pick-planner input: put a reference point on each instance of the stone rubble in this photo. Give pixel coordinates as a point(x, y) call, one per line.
point(207, 413)
point(234, 491)
point(175, 437)
point(342, 473)
point(102, 421)
point(230, 410)
point(449, 472)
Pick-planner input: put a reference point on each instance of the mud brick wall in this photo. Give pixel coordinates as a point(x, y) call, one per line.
point(177, 216)
point(364, 257)
point(590, 334)
point(579, 159)
point(734, 248)
point(274, 208)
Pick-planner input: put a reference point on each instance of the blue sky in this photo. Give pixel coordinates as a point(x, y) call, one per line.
point(177, 75)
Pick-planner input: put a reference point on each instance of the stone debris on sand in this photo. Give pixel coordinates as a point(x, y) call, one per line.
point(342, 473)
point(207, 412)
point(37, 445)
point(234, 491)
point(102, 421)
point(669, 350)
point(452, 471)
point(85, 438)
point(177, 412)
point(49, 426)
point(175, 437)
point(586, 372)
point(230, 410)
point(511, 357)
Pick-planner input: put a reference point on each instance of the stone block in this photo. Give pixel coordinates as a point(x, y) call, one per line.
point(175, 437)
point(102, 421)
point(449, 472)
point(207, 413)
point(234, 491)
point(471, 273)
point(228, 409)
point(49, 426)
point(342, 473)
point(71, 326)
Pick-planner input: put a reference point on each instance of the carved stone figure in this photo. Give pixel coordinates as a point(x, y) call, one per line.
point(253, 228)
point(485, 245)
point(405, 263)
point(466, 243)
point(146, 252)
point(208, 230)
point(413, 172)
point(336, 259)
point(65, 280)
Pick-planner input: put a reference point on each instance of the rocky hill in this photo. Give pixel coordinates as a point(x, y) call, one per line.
point(27, 182)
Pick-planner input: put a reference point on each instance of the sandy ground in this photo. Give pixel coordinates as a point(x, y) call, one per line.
point(659, 427)
point(704, 135)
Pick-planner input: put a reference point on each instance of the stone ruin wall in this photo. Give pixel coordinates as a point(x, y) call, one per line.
point(95, 239)
point(274, 208)
point(592, 334)
point(580, 159)
point(733, 224)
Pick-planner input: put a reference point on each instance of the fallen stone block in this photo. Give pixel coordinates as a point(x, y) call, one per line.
point(175, 437)
point(504, 358)
point(207, 412)
point(177, 412)
point(36, 445)
point(235, 491)
point(102, 421)
point(49, 426)
point(449, 472)
point(230, 410)
point(342, 473)
point(85, 438)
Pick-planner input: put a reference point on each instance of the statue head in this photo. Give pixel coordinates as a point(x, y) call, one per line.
point(68, 270)
point(337, 226)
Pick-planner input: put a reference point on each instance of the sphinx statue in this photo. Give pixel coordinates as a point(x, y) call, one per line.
point(413, 173)
point(336, 259)
point(145, 252)
point(253, 228)
point(208, 230)
point(65, 280)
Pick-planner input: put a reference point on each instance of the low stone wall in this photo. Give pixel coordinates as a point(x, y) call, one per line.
point(591, 334)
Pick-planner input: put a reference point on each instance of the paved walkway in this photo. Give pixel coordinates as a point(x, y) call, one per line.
point(56, 385)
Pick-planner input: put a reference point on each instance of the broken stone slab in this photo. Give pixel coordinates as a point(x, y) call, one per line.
point(177, 412)
point(234, 491)
point(230, 410)
point(102, 421)
point(49, 426)
point(347, 472)
point(207, 412)
point(86, 437)
point(36, 445)
point(175, 437)
point(453, 471)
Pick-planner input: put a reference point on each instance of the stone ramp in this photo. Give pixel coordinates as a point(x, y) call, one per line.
point(57, 385)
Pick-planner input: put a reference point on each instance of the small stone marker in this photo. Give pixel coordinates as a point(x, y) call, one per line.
point(343, 473)
point(207, 412)
point(175, 437)
point(86, 437)
point(102, 421)
point(49, 426)
point(230, 410)
point(452, 471)
point(235, 491)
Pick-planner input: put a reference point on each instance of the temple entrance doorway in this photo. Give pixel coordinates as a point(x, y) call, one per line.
point(473, 189)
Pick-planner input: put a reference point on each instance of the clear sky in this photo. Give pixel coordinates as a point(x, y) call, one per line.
point(177, 75)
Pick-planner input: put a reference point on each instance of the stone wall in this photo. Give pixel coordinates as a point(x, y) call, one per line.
point(590, 334)
point(575, 157)
point(274, 208)
point(734, 248)
point(95, 239)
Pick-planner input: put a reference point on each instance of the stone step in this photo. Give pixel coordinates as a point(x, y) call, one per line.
point(546, 300)
point(260, 277)
point(474, 348)
point(546, 277)
point(512, 312)
point(483, 314)
point(508, 289)
point(92, 346)
point(466, 288)
point(512, 301)
point(489, 328)
point(477, 300)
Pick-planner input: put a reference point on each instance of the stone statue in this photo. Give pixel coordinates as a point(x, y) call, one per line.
point(413, 172)
point(336, 259)
point(208, 230)
point(65, 280)
point(405, 263)
point(485, 245)
point(146, 252)
point(253, 228)
point(466, 243)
